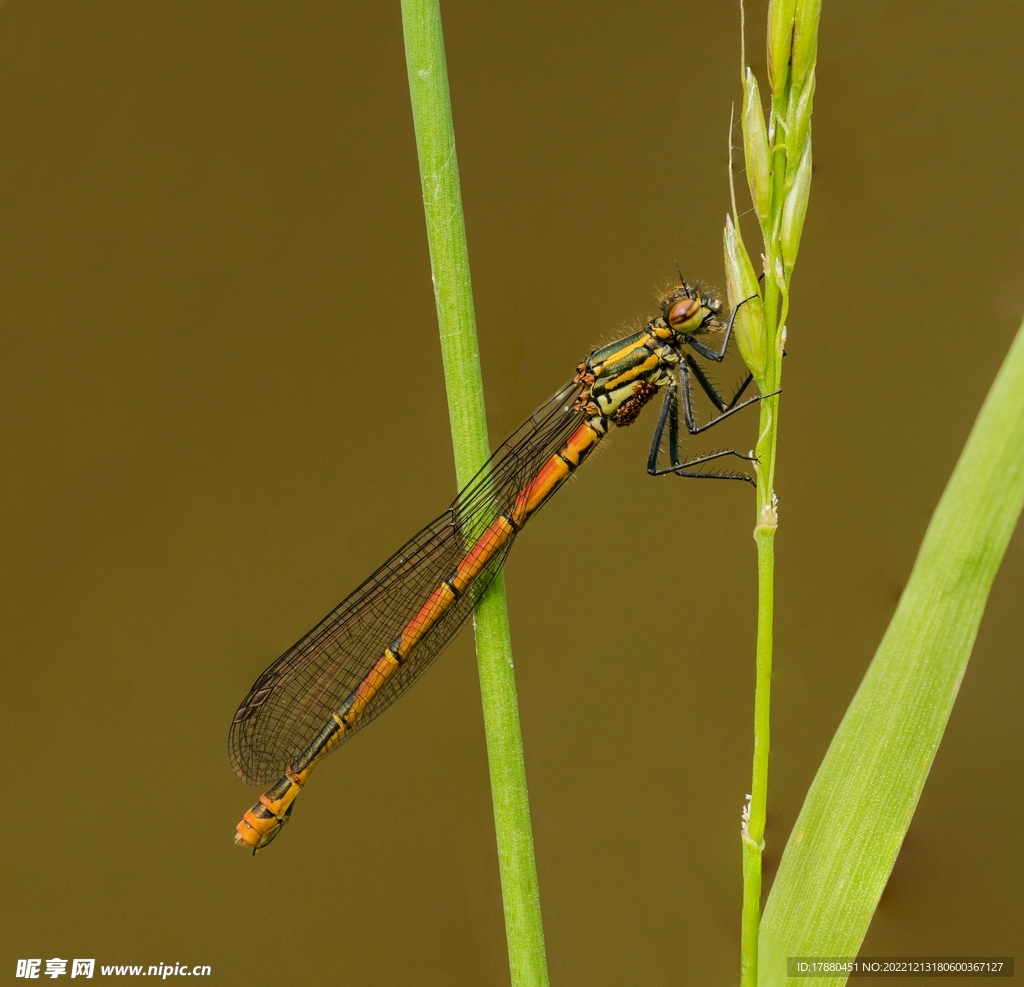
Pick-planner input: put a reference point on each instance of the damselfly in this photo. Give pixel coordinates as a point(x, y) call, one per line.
point(363, 655)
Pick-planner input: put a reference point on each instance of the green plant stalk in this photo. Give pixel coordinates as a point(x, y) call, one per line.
point(778, 159)
point(449, 259)
point(764, 537)
point(775, 308)
point(860, 804)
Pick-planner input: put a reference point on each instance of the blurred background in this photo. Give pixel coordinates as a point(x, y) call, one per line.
point(223, 407)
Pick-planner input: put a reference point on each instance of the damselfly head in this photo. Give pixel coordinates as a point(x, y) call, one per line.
point(688, 308)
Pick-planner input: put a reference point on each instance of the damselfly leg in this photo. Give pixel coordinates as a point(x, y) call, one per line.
point(670, 416)
point(670, 412)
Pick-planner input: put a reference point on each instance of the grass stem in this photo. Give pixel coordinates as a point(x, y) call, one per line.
point(777, 158)
point(449, 259)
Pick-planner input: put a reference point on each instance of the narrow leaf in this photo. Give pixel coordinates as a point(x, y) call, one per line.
point(850, 829)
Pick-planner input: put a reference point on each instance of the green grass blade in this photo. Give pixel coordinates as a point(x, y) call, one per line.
point(446, 234)
point(850, 829)
point(449, 259)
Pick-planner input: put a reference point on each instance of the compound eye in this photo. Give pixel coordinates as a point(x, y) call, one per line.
point(684, 313)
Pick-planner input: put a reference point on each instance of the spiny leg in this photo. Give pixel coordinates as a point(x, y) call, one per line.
point(709, 389)
point(728, 409)
point(683, 468)
point(670, 415)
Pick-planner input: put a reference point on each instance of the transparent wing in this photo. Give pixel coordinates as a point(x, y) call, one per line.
point(293, 699)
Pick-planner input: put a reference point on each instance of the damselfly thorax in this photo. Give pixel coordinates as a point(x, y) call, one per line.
point(619, 379)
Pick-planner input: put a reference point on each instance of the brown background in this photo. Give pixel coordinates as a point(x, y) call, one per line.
point(223, 407)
